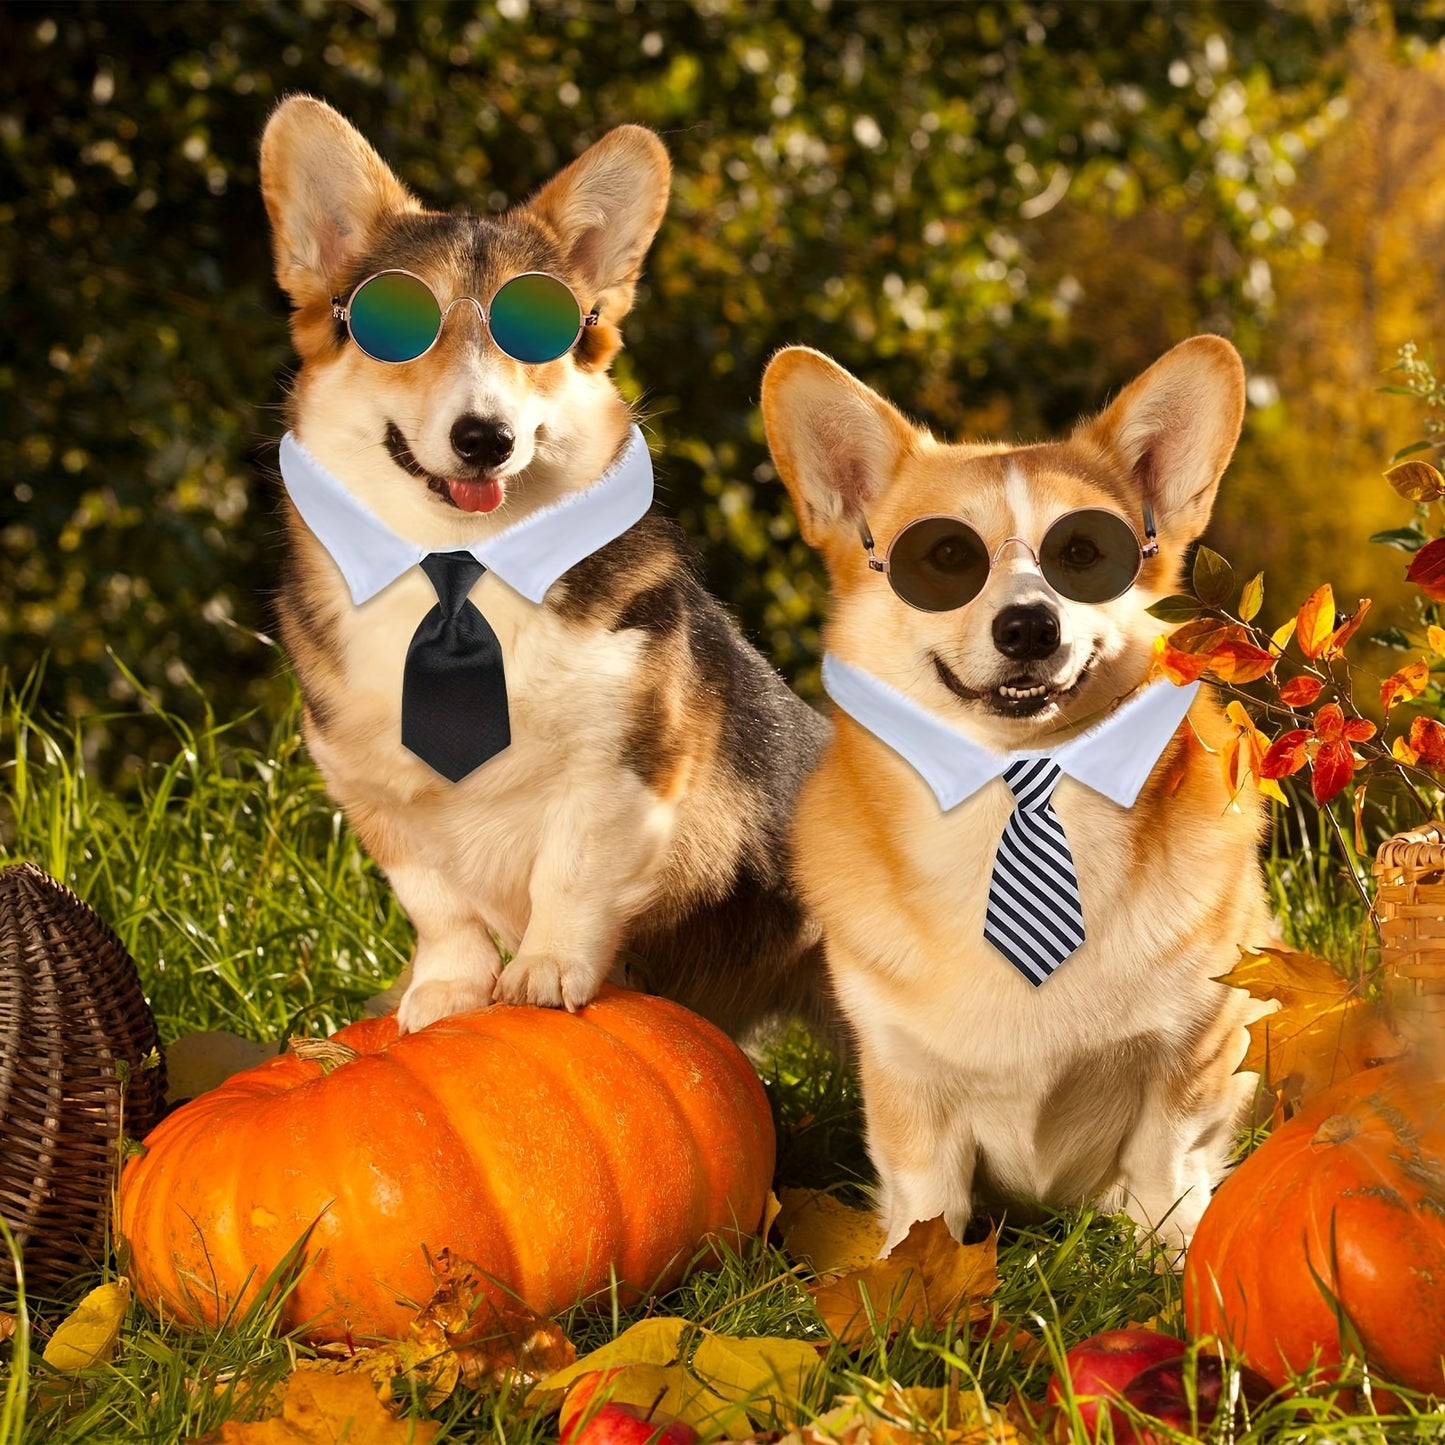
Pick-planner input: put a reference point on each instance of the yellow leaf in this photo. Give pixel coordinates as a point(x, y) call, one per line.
point(86, 1337)
point(1416, 481)
point(323, 1409)
point(1279, 638)
point(828, 1235)
point(665, 1392)
point(928, 1279)
point(761, 1373)
point(771, 1209)
point(424, 1360)
point(1436, 638)
point(649, 1342)
point(1315, 620)
point(1323, 1029)
point(897, 1416)
point(1251, 598)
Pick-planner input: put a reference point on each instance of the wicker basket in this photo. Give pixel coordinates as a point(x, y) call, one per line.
point(1410, 903)
point(71, 1009)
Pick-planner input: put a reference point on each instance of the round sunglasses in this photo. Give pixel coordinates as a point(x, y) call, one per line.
point(395, 316)
point(939, 563)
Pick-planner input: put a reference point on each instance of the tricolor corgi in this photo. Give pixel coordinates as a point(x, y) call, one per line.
point(1032, 999)
point(454, 395)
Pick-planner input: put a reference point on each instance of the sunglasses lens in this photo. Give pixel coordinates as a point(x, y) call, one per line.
point(937, 564)
point(1090, 556)
point(535, 318)
point(394, 317)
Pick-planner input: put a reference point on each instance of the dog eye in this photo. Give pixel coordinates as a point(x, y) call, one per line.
point(1078, 553)
point(950, 554)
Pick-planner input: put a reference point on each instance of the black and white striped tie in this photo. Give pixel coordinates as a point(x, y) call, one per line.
point(1034, 915)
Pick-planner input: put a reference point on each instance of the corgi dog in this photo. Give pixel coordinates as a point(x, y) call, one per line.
point(641, 808)
point(1113, 1079)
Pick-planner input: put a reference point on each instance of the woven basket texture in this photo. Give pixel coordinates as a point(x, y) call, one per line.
point(71, 1009)
point(1410, 903)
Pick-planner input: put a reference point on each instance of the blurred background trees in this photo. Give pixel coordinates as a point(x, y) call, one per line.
point(995, 212)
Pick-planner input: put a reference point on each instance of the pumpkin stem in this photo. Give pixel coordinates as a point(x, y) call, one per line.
point(329, 1053)
point(1335, 1130)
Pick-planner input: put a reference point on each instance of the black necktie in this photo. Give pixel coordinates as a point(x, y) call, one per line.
point(453, 691)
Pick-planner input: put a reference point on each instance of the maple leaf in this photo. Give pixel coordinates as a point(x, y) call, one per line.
point(322, 1409)
point(1322, 1030)
point(928, 1279)
point(826, 1234)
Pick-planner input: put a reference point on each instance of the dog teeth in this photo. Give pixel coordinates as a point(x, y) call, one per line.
point(1019, 693)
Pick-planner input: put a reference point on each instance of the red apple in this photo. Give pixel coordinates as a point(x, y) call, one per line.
point(1162, 1392)
point(615, 1423)
point(1100, 1368)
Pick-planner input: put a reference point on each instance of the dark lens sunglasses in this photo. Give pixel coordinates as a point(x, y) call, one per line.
point(395, 316)
point(939, 563)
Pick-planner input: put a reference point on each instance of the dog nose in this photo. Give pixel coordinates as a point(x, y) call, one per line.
point(1026, 633)
point(482, 443)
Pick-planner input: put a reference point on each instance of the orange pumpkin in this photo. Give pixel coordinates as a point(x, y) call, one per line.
point(1352, 1190)
point(550, 1149)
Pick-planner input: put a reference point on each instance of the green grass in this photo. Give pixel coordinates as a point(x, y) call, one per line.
point(248, 906)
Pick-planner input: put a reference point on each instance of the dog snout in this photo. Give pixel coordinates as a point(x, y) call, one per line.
point(1026, 634)
point(480, 442)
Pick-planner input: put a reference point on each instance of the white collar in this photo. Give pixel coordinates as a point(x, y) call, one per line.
point(528, 556)
point(1114, 758)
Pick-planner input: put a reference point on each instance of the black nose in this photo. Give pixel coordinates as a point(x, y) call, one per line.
point(482, 443)
point(1026, 633)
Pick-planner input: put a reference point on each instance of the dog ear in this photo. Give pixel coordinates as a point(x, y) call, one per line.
point(1174, 428)
point(836, 443)
point(326, 190)
point(605, 209)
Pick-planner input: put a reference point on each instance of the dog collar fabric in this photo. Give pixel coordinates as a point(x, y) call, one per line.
point(1113, 758)
point(528, 556)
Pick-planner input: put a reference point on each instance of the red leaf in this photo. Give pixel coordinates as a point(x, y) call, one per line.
point(1180, 668)
point(1240, 662)
point(1300, 691)
point(1334, 767)
point(1427, 740)
point(1330, 723)
point(1335, 642)
point(1427, 569)
point(1286, 754)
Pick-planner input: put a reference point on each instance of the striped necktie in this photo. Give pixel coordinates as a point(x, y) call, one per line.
point(1034, 916)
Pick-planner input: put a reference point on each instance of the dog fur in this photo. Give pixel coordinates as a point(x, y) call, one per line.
point(1115, 1080)
point(642, 809)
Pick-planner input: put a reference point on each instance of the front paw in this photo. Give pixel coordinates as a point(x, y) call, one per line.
point(439, 998)
point(546, 982)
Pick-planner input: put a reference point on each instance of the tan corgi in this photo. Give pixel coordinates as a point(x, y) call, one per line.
point(641, 808)
point(1113, 1077)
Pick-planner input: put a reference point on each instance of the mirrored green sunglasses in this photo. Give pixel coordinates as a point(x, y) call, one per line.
point(394, 316)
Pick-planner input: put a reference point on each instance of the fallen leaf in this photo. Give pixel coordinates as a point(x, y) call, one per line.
point(496, 1346)
point(324, 1409)
point(8, 1325)
point(772, 1207)
point(826, 1234)
point(904, 1416)
point(649, 1342)
point(423, 1361)
point(928, 1279)
point(1323, 1029)
point(668, 1392)
point(767, 1375)
point(87, 1336)
point(197, 1063)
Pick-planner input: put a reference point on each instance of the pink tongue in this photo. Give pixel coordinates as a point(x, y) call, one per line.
point(475, 496)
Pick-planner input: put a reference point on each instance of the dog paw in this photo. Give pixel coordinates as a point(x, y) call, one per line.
point(545, 982)
point(440, 998)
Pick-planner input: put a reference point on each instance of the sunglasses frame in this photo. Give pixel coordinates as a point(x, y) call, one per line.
point(1148, 549)
point(341, 311)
